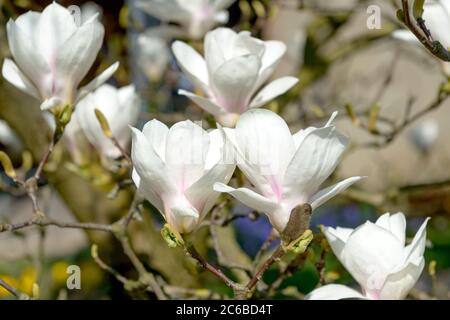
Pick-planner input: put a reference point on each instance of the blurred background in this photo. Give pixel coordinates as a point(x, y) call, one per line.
point(386, 91)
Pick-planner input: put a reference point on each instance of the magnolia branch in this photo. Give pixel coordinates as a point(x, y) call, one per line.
point(19, 295)
point(422, 33)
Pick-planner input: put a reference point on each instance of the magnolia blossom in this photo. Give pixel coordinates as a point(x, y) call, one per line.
point(153, 55)
point(176, 169)
point(286, 170)
point(120, 108)
point(376, 256)
point(437, 19)
point(195, 17)
point(235, 67)
point(53, 54)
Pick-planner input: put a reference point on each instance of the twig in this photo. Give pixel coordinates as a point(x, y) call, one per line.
point(423, 35)
point(44, 222)
point(14, 291)
point(190, 249)
point(104, 266)
point(276, 255)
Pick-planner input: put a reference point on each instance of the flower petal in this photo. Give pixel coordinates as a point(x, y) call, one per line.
point(337, 238)
point(204, 103)
point(398, 285)
point(274, 51)
point(191, 63)
point(51, 103)
point(334, 292)
point(153, 173)
point(326, 194)
point(202, 194)
point(55, 26)
point(273, 90)
point(315, 159)
point(186, 148)
point(233, 81)
point(11, 72)
point(218, 47)
point(79, 51)
point(417, 247)
point(97, 81)
point(395, 223)
point(266, 144)
point(220, 169)
point(27, 58)
point(248, 197)
point(146, 189)
point(156, 133)
point(370, 254)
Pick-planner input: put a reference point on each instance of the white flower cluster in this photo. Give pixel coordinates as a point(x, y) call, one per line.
point(181, 170)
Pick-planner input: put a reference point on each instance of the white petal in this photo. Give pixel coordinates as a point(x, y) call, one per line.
point(315, 159)
point(192, 63)
point(265, 142)
point(202, 194)
point(28, 23)
point(337, 238)
point(11, 72)
point(398, 285)
point(56, 25)
point(155, 179)
point(97, 81)
point(27, 58)
point(183, 212)
point(146, 189)
point(186, 148)
point(51, 103)
point(395, 223)
point(233, 81)
point(79, 51)
point(334, 292)
point(220, 149)
point(326, 194)
point(156, 133)
point(85, 116)
point(204, 103)
point(218, 47)
point(273, 90)
point(274, 51)
point(248, 197)
point(417, 247)
point(370, 253)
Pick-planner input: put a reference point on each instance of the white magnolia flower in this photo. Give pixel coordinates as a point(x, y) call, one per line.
point(376, 256)
point(195, 17)
point(437, 19)
point(286, 170)
point(53, 54)
point(176, 169)
point(120, 108)
point(235, 67)
point(153, 56)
